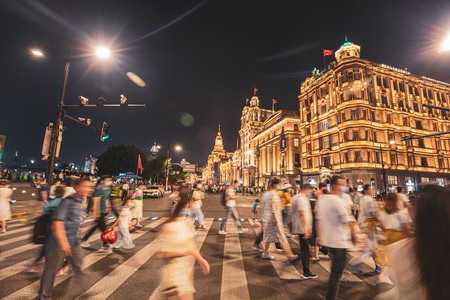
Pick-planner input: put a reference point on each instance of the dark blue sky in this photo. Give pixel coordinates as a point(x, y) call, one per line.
point(197, 57)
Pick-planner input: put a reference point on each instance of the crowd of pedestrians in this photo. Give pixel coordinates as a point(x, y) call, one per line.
point(331, 219)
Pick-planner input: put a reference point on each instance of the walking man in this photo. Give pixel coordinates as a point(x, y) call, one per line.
point(334, 228)
point(230, 209)
point(101, 208)
point(64, 238)
point(302, 225)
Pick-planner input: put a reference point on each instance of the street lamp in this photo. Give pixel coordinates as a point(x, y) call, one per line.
point(177, 148)
point(57, 128)
point(383, 169)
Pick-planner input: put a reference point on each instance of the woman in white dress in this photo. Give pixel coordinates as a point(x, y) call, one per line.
point(5, 208)
point(179, 252)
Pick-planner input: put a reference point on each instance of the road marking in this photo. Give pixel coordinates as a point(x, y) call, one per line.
point(234, 282)
point(90, 259)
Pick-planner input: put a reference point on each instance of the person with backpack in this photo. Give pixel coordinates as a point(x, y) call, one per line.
point(64, 239)
point(230, 209)
point(42, 227)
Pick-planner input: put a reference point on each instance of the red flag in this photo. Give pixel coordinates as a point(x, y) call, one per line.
point(140, 167)
point(327, 52)
point(274, 101)
point(255, 90)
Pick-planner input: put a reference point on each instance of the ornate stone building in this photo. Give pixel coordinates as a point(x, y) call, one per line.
point(356, 117)
point(211, 172)
point(369, 122)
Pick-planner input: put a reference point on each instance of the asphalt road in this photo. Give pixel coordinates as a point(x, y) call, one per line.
point(237, 271)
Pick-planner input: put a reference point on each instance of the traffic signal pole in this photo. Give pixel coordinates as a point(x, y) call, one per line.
point(57, 129)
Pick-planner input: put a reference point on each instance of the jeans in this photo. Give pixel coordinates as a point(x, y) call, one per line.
point(286, 215)
point(197, 212)
point(234, 214)
point(338, 261)
point(304, 253)
point(53, 262)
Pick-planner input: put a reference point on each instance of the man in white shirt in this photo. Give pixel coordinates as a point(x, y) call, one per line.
point(230, 194)
point(334, 229)
point(302, 225)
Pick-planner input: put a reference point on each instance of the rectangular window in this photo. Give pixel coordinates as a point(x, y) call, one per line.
point(297, 160)
point(410, 160)
point(392, 180)
point(310, 163)
point(326, 142)
point(295, 127)
point(326, 161)
point(418, 125)
point(424, 162)
point(325, 125)
point(358, 156)
point(296, 142)
point(324, 109)
point(441, 162)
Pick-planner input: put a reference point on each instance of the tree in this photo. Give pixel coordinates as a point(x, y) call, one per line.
point(120, 159)
point(154, 169)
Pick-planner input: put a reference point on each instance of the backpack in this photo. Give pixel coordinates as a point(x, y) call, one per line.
point(41, 228)
point(223, 198)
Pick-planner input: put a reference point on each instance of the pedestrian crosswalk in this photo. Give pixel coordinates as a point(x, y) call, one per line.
point(237, 272)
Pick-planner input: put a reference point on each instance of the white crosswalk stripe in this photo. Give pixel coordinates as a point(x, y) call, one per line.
point(234, 281)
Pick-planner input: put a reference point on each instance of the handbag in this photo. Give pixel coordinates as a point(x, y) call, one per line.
point(109, 236)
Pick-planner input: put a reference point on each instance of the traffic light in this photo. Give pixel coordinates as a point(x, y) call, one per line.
point(104, 135)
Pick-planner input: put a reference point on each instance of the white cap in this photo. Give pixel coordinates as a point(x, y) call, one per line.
point(286, 186)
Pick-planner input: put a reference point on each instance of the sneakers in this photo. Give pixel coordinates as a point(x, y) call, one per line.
point(116, 250)
point(85, 244)
point(105, 247)
point(202, 227)
point(222, 232)
point(33, 269)
point(267, 256)
point(242, 230)
point(356, 269)
point(279, 249)
point(129, 247)
point(308, 276)
point(377, 268)
point(257, 247)
point(60, 272)
point(293, 258)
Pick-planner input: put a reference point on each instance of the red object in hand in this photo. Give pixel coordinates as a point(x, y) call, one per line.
point(109, 236)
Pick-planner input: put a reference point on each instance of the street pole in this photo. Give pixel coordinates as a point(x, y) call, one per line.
point(59, 116)
point(167, 166)
point(383, 170)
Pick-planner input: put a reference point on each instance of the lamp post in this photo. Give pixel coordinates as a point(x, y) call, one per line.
point(383, 170)
point(168, 159)
point(59, 116)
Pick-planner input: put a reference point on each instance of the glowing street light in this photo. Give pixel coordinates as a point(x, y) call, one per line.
point(56, 130)
point(445, 46)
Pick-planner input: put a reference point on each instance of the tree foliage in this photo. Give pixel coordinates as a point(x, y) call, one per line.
point(120, 159)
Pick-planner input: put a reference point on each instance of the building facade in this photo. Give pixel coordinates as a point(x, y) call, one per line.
point(372, 123)
point(369, 122)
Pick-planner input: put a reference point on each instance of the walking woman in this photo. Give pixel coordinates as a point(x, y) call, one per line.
point(273, 227)
point(5, 208)
point(421, 264)
point(138, 197)
point(395, 225)
point(179, 252)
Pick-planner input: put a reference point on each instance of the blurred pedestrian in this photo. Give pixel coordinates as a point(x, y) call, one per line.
point(335, 226)
point(230, 209)
point(138, 211)
point(255, 208)
point(421, 263)
point(124, 223)
point(196, 205)
point(302, 225)
point(64, 240)
point(179, 252)
point(100, 200)
point(395, 223)
point(5, 207)
point(273, 226)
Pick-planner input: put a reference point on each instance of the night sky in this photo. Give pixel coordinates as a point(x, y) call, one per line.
point(198, 58)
